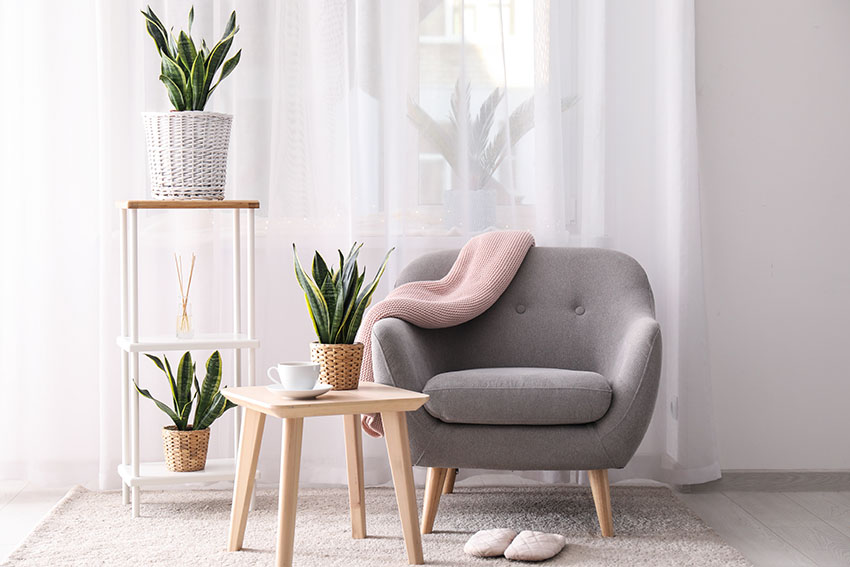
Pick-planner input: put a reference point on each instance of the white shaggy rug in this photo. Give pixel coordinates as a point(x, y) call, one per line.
point(190, 528)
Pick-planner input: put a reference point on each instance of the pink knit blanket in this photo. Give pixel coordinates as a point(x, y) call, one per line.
point(482, 271)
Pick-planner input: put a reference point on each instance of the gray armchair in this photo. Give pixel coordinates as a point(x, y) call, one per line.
point(561, 373)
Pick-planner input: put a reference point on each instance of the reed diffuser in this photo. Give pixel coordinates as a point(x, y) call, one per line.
point(184, 320)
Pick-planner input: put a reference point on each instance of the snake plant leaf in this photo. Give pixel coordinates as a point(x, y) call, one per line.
point(158, 38)
point(167, 410)
point(157, 31)
point(172, 43)
point(219, 405)
point(328, 291)
point(351, 295)
point(349, 268)
point(228, 68)
point(315, 301)
point(171, 69)
point(191, 18)
point(152, 17)
point(185, 376)
point(174, 94)
point(363, 301)
point(230, 65)
point(341, 285)
point(346, 283)
point(167, 370)
point(210, 387)
point(214, 61)
point(198, 74)
point(231, 25)
point(218, 54)
point(319, 268)
point(186, 51)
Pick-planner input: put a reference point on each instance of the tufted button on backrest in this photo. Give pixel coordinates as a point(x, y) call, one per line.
point(520, 308)
point(579, 310)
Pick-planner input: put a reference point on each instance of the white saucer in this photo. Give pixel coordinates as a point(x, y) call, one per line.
point(317, 391)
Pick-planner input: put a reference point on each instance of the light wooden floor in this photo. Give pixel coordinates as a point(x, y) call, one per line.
point(778, 529)
point(771, 528)
point(22, 506)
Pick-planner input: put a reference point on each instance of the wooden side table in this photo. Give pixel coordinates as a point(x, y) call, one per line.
point(391, 403)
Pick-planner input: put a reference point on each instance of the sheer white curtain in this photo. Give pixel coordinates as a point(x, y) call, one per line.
point(336, 106)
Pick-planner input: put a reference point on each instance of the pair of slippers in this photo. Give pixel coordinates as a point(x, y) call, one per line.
point(525, 546)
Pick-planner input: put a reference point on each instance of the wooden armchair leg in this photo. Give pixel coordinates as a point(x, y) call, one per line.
point(449, 485)
point(433, 490)
point(602, 499)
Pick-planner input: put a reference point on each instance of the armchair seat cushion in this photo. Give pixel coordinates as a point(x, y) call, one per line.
point(518, 396)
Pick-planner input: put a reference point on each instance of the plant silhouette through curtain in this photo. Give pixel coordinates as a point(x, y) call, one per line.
point(485, 150)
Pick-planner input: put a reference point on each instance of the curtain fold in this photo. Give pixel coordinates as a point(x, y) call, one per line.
point(412, 125)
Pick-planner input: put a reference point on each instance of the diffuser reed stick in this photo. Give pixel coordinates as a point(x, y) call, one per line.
point(184, 320)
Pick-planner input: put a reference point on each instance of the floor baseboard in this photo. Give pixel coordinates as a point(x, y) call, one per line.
point(774, 481)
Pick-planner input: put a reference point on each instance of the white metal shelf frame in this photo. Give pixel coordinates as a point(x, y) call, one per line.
point(135, 474)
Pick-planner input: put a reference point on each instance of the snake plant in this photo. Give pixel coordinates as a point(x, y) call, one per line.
point(336, 298)
point(485, 150)
point(187, 70)
point(209, 403)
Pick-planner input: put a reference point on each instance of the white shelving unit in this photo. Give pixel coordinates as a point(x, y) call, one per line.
point(135, 474)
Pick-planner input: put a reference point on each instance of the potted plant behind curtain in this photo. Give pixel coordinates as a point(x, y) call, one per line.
point(474, 169)
point(187, 147)
point(336, 301)
point(185, 444)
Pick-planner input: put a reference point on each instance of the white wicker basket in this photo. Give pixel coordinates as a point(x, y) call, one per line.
point(187, 153)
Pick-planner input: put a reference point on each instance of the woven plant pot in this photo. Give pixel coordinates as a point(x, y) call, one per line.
point(187, 153)
point(340, 364)
point(185, 451)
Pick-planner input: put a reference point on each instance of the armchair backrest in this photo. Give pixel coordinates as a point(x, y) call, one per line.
point(566, 308)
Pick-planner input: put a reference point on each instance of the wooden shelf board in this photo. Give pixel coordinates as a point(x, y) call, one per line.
point(152, 474)
point(199, 342)
point(188, 204)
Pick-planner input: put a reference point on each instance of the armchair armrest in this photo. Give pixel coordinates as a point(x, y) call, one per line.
point(634, 371)
point(404, 355)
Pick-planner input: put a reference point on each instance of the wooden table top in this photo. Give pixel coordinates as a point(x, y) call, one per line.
point(367, 398)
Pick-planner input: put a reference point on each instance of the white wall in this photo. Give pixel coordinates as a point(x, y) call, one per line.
point(773, 88)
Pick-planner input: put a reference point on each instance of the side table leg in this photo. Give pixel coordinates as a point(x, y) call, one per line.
point(246, 472)
point(398, 449)
point(290, 465)
point(354, 463)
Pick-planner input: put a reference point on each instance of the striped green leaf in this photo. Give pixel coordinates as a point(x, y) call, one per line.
point(185, 377)
point(219, 406)
point(167, 410)
point(363, 301)
point(320, 268)
point(186, 51)
point(315, 301)
point(230, 28)
point(171, 69)
point(211, 384)
point(174, 94)
point(198, 74)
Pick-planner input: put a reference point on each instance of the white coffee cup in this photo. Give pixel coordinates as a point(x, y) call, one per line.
point(295, 375)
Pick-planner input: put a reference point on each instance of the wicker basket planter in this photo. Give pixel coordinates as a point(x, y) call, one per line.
point(340, 364)
point(185, 451)
point(187, 153)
